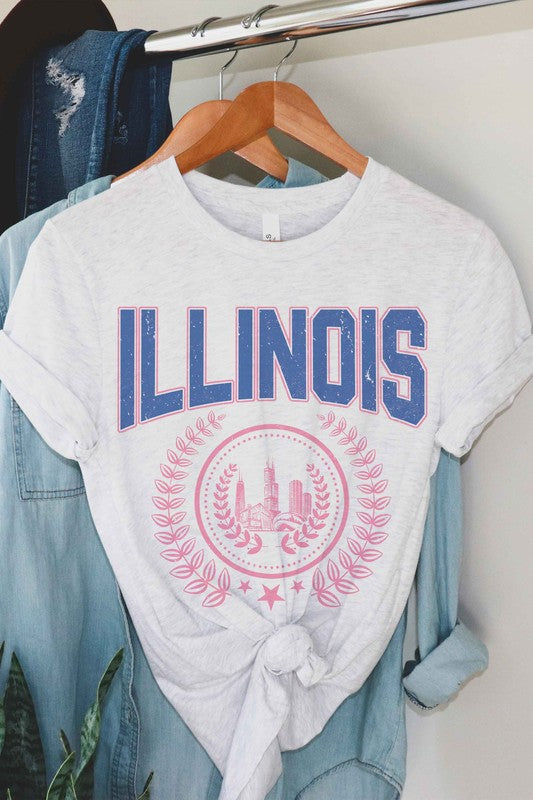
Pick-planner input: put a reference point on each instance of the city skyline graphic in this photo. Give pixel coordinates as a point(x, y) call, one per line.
point(266, 515)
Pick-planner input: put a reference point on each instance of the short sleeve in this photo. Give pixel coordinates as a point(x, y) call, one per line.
point(489, 352)
point(49, 350)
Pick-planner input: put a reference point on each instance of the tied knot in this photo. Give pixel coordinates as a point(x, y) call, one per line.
point(290, 649)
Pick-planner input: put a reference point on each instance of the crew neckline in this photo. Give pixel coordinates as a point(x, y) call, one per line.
point(362, 191)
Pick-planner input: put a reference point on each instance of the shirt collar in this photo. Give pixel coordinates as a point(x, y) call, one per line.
point(298, 174)
point(89, 189)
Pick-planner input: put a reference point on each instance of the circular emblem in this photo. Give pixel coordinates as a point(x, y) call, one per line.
point(271, 501)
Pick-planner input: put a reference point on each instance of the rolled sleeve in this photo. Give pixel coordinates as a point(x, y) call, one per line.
point(489, 352)
point(436, 678)
point(492, 395)
point(54, 410)
point(50, 360)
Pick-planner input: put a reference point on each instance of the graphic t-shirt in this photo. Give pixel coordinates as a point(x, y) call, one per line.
point(257, 385)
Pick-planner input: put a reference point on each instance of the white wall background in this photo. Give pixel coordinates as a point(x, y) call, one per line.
point(447, 101)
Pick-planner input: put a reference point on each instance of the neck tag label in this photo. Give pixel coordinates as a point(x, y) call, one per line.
point(271, 228)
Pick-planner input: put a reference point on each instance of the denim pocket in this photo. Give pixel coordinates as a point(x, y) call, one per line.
point(41, 472)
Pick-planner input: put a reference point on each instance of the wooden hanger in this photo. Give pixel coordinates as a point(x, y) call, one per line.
point(273, 104)
point(198, 121)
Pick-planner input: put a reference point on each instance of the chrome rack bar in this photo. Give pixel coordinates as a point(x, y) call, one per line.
point(272, 24)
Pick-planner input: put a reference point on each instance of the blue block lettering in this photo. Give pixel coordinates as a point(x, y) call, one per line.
point(200, 392)
point(344, 392)
point(291, 357)
point(369, 359)
point(126, 376)
point(413, 409)
point(153, 403)
point(245, 334)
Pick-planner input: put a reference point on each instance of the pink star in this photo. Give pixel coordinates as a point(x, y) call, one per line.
point(297, 586)
point(271, 596)
point(245, 585)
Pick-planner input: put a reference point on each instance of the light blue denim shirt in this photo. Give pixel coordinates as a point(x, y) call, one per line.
point(51, 551)
point(85, 109)
point(60, 607)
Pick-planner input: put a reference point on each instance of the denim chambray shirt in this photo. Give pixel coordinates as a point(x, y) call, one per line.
point(61, 610)
point(86, 109)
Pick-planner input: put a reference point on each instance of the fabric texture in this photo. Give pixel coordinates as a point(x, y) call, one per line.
point(78, 118)
point(291, 661)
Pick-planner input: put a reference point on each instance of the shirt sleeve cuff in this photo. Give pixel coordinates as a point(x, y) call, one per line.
point(54, 410)
point(492, 395)
point(436, 678)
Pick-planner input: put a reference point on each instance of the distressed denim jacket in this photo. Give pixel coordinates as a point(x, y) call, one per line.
point(87, 109)
point(52, 552)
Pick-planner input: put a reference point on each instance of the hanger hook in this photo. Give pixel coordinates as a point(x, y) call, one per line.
point(221, 75)
point(248, 21)
point(200, 28)
point(291, 51)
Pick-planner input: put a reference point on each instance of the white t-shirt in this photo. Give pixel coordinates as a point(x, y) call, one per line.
point(257, 421)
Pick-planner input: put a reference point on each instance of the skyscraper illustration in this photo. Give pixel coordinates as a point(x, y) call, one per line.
point(271, 493)
point(295, 497)
point(267, 515)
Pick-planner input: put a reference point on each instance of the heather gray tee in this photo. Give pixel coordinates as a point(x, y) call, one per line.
point(257, 385)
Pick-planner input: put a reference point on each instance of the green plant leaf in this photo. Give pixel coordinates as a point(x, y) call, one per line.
point(146, 790)
point(62, 781)
point(90, 731)
point(67, 749)
point(2, 713)
point(22, 767)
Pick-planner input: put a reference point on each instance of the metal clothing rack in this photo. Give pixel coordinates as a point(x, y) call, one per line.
point(271, 24)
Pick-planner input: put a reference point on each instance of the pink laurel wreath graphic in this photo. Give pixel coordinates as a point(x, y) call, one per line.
point(174, 531)
point(370, 532)
point(298, 538)
point(316, 520)
point(226, 521)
